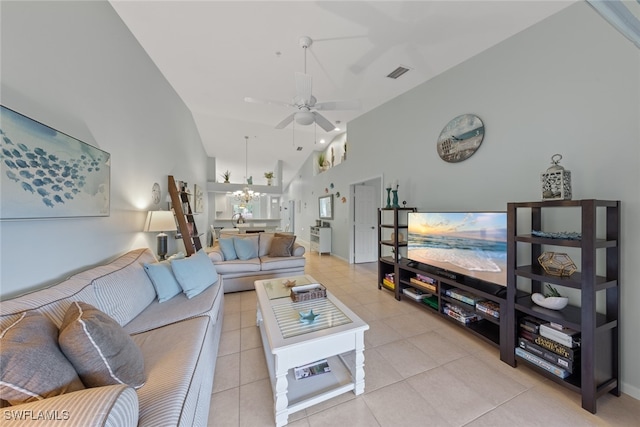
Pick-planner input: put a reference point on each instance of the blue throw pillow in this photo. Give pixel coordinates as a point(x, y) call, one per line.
point(163, 280)
point(195, 273)
point(245, 248)
point(228, 250)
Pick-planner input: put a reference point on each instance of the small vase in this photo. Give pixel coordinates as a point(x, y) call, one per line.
point(269, 180)
point(395, 199)
point(388, 198)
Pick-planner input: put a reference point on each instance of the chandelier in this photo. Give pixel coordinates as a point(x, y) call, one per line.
point(246, 195)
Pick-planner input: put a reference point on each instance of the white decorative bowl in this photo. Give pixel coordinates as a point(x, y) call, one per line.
point(553, 303)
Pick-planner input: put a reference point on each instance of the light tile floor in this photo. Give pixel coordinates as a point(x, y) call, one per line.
point(420, 370)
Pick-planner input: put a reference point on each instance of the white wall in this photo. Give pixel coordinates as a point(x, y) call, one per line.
point(569, 85)
point(75, 66)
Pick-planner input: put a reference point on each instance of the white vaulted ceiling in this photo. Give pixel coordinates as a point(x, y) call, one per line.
point(216, 53)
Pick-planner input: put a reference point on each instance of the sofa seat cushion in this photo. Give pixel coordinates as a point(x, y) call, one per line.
point(170, 393)
point(276, 263)
point(32, 365)
point(177, 309)
point(238, 266)
point(99, 349)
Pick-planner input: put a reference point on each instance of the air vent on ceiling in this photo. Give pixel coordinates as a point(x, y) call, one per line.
point(397, 72)
point(299, 149)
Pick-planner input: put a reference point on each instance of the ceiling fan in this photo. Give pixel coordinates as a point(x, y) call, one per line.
point(305, 103)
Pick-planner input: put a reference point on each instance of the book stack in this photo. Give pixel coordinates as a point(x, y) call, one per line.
point(459, 314)
point(550, 346)
point(425, 282)
point(389, 280)
point(415, 294)
point(464, 296)
point(489, 308)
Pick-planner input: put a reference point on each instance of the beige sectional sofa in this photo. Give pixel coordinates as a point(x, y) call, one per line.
point(240, 274)
point(178, 340)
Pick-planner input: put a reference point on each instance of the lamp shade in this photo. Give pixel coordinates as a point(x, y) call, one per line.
point(160, 221)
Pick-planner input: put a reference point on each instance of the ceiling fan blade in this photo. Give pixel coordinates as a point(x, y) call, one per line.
point(283, 124)
point(323, 122)
point(303, 88)
point(268, 102)
point(339, 105)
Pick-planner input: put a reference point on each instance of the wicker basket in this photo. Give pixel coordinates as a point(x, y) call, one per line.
point(320, 292)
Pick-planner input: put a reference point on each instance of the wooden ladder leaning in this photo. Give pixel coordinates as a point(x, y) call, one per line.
point(185, 217)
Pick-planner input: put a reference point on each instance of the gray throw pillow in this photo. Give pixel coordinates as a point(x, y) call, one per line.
point(282, 245)
point(100, 350)
point(32, 367)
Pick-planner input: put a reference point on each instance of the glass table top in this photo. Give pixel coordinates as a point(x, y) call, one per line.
point(276, 289)
point(288, 316)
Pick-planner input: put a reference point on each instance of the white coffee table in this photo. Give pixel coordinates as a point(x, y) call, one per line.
point(337, 335)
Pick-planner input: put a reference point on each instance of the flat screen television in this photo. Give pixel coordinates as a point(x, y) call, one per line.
point(470, 243)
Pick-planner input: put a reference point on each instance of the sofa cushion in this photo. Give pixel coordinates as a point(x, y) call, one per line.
point(178, 308)
point(126, 289)
point(195, 273)
point(99, 349)
point(170, 395)
point(32, 366)
point(282, 246)
point(298, 250)
point(238, 266)
point(276, 263)
point(228, 249)
point(161, 274)
point(265, 243)
point(246, 248)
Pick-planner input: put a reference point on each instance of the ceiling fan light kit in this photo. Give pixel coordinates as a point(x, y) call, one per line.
point(305, 103)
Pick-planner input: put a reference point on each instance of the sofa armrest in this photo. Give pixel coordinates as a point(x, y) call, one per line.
point(114, 405)
point(215, 254)
point(298, 250)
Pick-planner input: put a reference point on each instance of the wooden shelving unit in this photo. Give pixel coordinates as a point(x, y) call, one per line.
point(599, 274)
point(181, 206)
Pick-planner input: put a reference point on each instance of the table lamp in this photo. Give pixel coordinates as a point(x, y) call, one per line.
point(160, 221)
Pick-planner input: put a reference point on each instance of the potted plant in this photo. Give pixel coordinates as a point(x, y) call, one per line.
point(323, 163)
point(226, 176)
point(269, 176)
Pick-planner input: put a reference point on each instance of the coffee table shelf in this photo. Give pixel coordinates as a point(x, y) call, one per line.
point(340, 342)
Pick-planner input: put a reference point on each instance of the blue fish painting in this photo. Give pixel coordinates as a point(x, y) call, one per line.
point(69, 177)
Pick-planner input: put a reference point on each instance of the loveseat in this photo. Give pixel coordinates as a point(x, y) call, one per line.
point(241, 259)
point(177, 340)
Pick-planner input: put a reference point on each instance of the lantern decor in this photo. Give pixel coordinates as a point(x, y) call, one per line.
point(557, 264)
point(556, 181)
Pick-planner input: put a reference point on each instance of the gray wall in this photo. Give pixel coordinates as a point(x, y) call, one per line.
point(76, 67)
point(569, 85)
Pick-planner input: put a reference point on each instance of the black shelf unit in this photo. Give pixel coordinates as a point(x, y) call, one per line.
point(490, 329)
point(388, 228)
point(599, 265)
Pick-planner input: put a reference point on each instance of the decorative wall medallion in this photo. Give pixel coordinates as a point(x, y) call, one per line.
point(155, 193)
point(460, 138)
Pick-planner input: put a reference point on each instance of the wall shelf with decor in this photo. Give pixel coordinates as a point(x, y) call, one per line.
point(592, 368)
point(392, 243)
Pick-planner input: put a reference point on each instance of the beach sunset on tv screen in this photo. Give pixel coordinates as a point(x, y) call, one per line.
point(469, 243)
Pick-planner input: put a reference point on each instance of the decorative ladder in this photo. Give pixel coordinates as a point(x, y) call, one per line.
point(184, 214)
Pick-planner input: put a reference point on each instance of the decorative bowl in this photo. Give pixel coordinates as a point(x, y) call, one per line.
point(553, 303)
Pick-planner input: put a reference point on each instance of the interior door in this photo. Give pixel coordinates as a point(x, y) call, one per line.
point(365, 221)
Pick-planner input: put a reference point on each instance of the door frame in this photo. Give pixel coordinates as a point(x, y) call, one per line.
point(375, 181)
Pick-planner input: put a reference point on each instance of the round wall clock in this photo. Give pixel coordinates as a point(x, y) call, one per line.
point(460, 138)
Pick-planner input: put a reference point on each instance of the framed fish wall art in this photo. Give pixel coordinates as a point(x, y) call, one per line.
point(48, 174)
